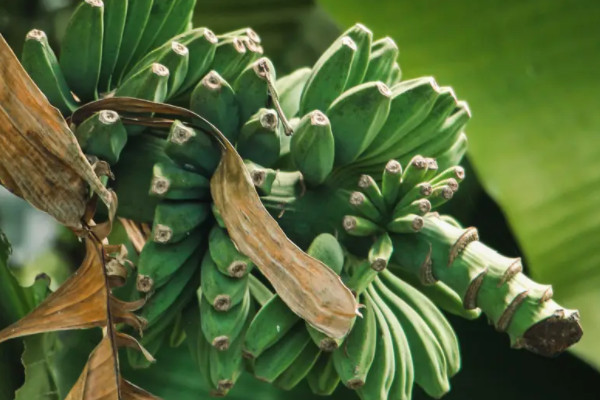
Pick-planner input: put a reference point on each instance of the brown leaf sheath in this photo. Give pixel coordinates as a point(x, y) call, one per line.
point(41, 160)
point(307, 286)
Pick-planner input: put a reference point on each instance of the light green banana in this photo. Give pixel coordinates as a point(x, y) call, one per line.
point(251, 88)
point(364, 206)
point(413, 174)
point(290, 89)
point(268, 327)
point(384, 53)
point(312, 147)
point(259, 291)
point(177, 334)
point(177, 21)
point(390, 182)
point(395, 74)
point(323, 379)
point(354, 358)
point(419, 207)
point(222, 292)
point(243, 32)
point(428, 356)
point(81, 49)
point(138, 14)
point(431, 315)
point(409, 223)
point(359, 273)
point(230, 57)
point(221, 328)
point(279, 357)
point(102, 135)
point(41, 64)
point(215, 100)
point(224, 253)
point(174, 183)
point(322, 341)
point(326, 248)
point(151, 83)
point(363, 37)
point(294, 374)
point(263, 178)
point(192, 149)
point(115, 14)
point(358, 226)
point(201, 43)
point(174, 221)
point(455, 172)
point(156, 19)
point(382, 372)
point(369, 187)
point(454, 154)
point(356, 117)
point(328, 77)
point(259, 139)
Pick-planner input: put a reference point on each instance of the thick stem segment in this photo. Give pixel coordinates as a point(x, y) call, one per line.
point(483, 278)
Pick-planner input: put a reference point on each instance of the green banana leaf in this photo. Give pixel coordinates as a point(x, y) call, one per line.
point(529, 71)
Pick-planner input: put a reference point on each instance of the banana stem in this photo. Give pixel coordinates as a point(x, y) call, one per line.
point(483, 278)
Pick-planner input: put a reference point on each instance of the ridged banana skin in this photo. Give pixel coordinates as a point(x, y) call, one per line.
point(296, 372)
point(276, 359)
point(81, 49)
point(215, 100)
point(174, 221)
point(403, 379)
point(289, 88)
point(221, 328)
point(176, 22)
point(165, 297)
point(323, 379)
point(411, 103)
point(160, 262)
point(354, 358)
point(151, 83)
point(363, 38)
point(230, 57)
point(328, 77)
point(192, 150)
point(138, 13)
point(384, 53)
point(259, 139)
point(268, 327)
point(381, 374)
point(225, 254)
point(251, 88)
point(312, 147)
point(115, 14)
point(156, 19)
point(220, 290)
point(428, 356)
point(201, 43)
point(171, 182)
point(102, 135)
point(356, 117)
point(454, 153)
point(41, 64)
point(439, 325)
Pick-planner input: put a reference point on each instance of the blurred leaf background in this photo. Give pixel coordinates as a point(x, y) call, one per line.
point(529, 71)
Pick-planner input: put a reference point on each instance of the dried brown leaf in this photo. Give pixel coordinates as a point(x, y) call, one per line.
point(41, 159)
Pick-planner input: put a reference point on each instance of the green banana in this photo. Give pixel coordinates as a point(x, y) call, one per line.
point(277, 358)
point(41, 64)
point(381, 252)
point(455, 172)
point(153, 340)
point(326, 248)
point(199, 348)
point(364, 206)
point(201, 43)
point(384, 53)
point(368, 186)
point(403, 379)
point(454, 154)
point(359, 273)
point(357, 226)
point(215, 100)
point(268, 327)
point(81, 49)
point(151, 83)
point(177, 21)
point(409, 223)
point(225, 254)
point(421, 190)
point(221, 291)
point(356, 117)
point(158, 262)
point(428, 356)
point(354, 358)
point(259, 138)
point(174, 221)
point(263, 178)
point(395, 74)
point(431, 315)
point(221, 328)
point(294, 374)
point(290, 89)
point(138, 14)
point(381, 374)
point(192, 149)
point(414, 174)
point(230, 57)
point(174, 183)
point(390, 182)
point(102, 135)
point(322, 341)
point(251, 87)
point(177, 334)
point(363, 38)
point(323, 379)
point(243, 32)
point(312, 147)
point(115, 14)
point(260, 293)
point(440, 195)
point(419, 207)
point(157, 17)
point(328, 77)
point(411, 104)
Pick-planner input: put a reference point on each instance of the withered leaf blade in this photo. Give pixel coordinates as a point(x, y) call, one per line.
point(41, 160)
point(306, 285)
